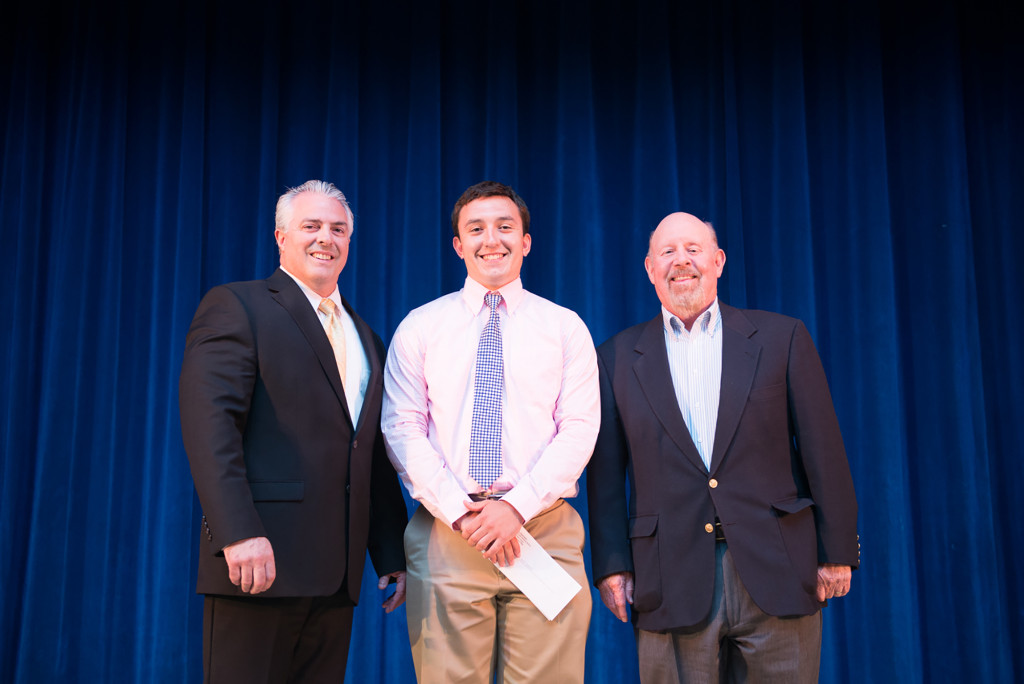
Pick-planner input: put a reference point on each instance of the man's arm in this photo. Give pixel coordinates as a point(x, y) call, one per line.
point(215, 389)
point(405, 419)
point(388, 518)
point(606, 488)
point(577, 418)
point(820, 447)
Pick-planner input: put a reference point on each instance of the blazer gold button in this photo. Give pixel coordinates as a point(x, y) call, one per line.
point(713, 483)
point(709, 528)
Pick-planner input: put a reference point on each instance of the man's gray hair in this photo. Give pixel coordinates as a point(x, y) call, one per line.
point(283, 216)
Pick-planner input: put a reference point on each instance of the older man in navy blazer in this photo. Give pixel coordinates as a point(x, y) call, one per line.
point(741, 516)
point(280, 397)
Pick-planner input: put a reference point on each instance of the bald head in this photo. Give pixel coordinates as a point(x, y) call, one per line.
point(684, 264)
point(681, 216)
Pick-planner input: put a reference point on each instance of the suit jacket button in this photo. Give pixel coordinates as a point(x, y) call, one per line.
point(713, 483)
point(355, 443)
point(709, 528)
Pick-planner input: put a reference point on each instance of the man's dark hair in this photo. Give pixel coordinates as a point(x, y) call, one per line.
point(490, 189)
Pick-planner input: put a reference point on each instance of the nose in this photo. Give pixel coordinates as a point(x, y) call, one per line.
point(490, 236)
point(323, 236)
point(681, 258)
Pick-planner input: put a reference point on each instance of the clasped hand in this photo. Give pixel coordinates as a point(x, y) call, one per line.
point(491, 528)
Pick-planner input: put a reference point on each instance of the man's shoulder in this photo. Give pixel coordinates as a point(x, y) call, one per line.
point(548, 307)
point(433, 312)
point(438, 305)
point(627, 337)
point(248, 287)
point(760, 318)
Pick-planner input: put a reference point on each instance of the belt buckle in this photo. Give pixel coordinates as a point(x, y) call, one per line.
point(486, 495)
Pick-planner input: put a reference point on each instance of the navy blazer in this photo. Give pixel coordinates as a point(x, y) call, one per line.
point(779, 480)
point(273, 449)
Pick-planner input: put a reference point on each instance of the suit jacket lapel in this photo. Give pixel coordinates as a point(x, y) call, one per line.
point(286, 292)
point(739, 363)
point(655, 378)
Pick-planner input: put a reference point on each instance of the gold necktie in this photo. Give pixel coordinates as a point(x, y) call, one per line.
point(335, 333)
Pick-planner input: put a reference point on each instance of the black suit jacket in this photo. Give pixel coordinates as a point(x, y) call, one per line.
point(273, 449)
point(779, 480)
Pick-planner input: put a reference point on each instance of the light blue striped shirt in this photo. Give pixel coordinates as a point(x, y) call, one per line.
point(695, 361)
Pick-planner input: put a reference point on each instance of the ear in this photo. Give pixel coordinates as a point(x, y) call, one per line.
point(720, 261)
point(279, 237)
point(457, 244)
point(526, 244)
point(647, 267)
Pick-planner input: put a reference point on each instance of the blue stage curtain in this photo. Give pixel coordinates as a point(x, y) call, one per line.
point(861, 162)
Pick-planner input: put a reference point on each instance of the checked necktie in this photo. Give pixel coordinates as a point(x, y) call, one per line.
point(485, 431)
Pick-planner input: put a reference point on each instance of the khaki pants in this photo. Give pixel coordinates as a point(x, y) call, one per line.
point(467, 623)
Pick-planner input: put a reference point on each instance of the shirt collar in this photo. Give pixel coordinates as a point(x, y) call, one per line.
point(710, 322)
point(313, 297)
point(473, 294)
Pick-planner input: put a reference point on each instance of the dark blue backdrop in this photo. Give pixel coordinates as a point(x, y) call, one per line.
point(861, 161)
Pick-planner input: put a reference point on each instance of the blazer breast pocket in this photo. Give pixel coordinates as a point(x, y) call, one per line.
point(643, 539)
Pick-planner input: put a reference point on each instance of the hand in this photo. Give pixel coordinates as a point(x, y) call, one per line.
point(490, 527)
point(506, 554)
point(616, 591)
point(833, 581)
point(398, 598)
point(251, 564)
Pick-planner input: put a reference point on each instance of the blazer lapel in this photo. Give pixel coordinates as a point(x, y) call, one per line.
point(655, 378)
point(739, 364)
point(286, 292)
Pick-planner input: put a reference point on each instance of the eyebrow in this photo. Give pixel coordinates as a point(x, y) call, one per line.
point(497, 218)
point(316, 220)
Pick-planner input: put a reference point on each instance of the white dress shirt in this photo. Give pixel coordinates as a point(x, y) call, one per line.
point(551, 402)
point(695, 362)
point(357, 365)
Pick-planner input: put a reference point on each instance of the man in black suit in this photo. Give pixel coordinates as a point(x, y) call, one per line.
point(741, 511)
point(280, 398)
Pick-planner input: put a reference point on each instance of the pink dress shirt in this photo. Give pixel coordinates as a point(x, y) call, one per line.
point(551, 406)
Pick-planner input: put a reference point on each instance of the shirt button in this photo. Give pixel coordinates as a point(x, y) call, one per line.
point(713, 483)
point(709, 528)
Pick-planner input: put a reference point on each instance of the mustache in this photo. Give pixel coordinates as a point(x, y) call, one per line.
point(684, 272)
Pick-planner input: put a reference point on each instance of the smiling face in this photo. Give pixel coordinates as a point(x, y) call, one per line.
point(491, 241)
point(314, 248)
point(684, 264)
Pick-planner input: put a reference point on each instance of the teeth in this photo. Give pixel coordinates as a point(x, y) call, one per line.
point(322, 257)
